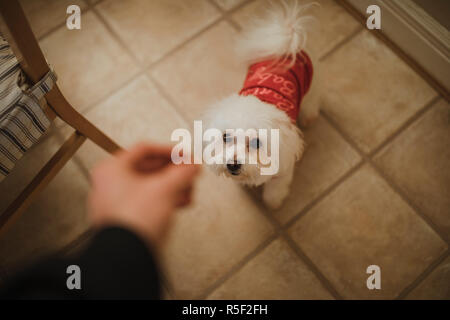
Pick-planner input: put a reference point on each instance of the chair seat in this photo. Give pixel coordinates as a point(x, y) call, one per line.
point(22, 120)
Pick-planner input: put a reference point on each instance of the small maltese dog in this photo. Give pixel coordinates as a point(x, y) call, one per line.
point(278, 89)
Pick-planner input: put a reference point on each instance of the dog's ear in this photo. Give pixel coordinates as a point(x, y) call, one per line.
point(292, 138)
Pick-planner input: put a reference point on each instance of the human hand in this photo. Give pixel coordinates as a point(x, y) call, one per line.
point(139, 189)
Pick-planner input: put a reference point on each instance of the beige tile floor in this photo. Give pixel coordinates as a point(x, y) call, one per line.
point(373, 187)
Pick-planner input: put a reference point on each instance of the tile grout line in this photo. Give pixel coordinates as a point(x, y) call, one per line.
point(412, 205)
point(416, 116)
point(116, 37)
point(110, 93)
point(183, 44)
point(165, 283)
point(160, 90)
point(325, 282)
point(166, 96)
point(324, 194)
point(215, 5)
point(238, 266)
point(363, 161)
point(227, 13)
point(91, 106)
point(121, 44)
point(124, 83)
point(142, 68)
point(382, 174)
point(397, 189)
point(340, 44)
point(16, 268)
point(147, 70)
point(407, 124)
point(233, 24)
point(282, 232)
point(400, 53)
point(222, 17)
point(415, 283)
point(49, 32)
point(85, 235)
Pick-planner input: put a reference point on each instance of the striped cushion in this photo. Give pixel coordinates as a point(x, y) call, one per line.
point(22, 120)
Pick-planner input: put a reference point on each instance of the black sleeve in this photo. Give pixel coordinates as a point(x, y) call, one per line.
point(116, 265)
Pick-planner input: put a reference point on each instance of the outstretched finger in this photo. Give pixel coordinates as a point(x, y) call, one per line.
point(145, 157)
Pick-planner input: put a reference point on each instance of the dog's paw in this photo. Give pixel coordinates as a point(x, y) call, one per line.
point(273, 198)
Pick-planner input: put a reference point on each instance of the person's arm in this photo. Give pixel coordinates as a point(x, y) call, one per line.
point(131, 202)
point(116, 265)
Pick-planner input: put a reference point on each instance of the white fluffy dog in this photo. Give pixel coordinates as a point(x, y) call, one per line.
point(278, 82)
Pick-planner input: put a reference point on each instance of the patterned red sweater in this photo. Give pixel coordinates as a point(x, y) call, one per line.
point(276, 84)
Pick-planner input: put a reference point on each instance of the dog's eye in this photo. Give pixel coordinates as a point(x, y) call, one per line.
point(227, 138)
point(255, 143)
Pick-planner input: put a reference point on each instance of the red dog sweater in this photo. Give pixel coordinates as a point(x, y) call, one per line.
point(275, 83)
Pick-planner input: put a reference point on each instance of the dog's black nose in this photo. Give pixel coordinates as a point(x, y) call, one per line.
point(233, 167)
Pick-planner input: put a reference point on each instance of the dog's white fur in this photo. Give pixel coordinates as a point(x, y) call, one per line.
point(280, 34)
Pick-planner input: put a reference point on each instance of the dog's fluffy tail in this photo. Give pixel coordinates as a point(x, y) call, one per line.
point(280, 34)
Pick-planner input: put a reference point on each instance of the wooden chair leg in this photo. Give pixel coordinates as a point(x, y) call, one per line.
point(41, 180)
point(36, 67)
point(66, 112)
point(32, 59)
